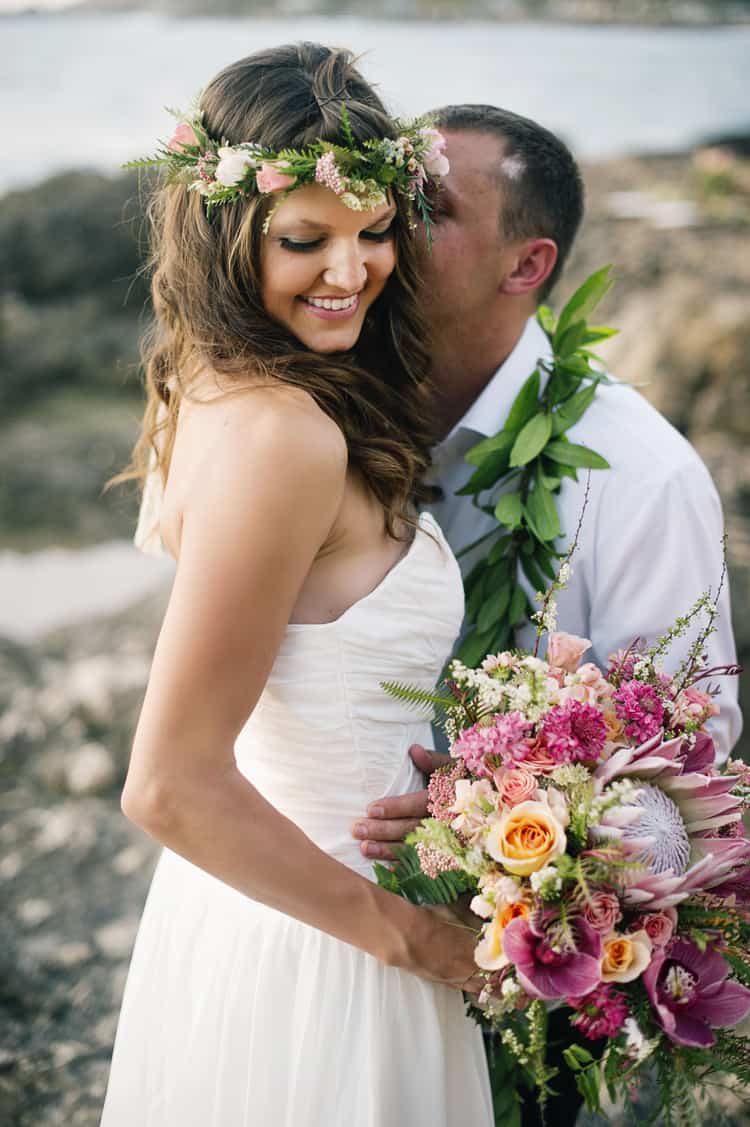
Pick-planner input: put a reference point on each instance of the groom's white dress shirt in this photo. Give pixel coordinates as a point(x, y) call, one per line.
point(651, 539)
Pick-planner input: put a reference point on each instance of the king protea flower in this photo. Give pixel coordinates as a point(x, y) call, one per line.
point(671, 825)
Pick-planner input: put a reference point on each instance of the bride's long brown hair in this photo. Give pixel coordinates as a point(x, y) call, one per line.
point(206, 286)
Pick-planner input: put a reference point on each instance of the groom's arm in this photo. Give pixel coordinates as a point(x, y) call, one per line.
point(390, 819)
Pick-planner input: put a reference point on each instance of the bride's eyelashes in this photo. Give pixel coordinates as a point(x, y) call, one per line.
point(302, 247)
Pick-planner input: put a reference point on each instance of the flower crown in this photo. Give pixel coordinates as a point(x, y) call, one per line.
point(360, 177)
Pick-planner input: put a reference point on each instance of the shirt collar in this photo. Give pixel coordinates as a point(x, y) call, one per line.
point(489, 410)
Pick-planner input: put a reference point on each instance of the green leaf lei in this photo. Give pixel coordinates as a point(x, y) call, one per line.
point(532, 455)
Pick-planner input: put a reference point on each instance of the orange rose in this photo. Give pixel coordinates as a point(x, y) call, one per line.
point(625, 957)
point(526, 838)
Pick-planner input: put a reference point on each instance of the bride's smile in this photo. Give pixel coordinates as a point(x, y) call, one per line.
point(323, 265)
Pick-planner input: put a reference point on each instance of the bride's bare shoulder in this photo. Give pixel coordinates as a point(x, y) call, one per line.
point(231, 450)
point(258, 409)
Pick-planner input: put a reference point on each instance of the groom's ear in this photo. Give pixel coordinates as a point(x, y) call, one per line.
point(531, 265)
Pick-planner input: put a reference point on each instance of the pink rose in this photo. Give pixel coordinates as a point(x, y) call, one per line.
point(434, 160)
point(566, 650)
point(535, 757)
point(602, 912)
point(270, 179)
point(183, 135)
point(515, 785)
point(659, 926)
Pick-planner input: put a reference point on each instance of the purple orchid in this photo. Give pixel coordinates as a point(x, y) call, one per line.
point(689, 991)
point(551, 963)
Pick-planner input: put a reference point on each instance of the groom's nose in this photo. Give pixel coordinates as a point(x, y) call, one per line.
point(346, 267)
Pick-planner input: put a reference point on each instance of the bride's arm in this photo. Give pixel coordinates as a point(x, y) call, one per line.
point(268, 495)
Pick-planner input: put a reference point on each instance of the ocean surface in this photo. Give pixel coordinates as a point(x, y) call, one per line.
point(90, 89)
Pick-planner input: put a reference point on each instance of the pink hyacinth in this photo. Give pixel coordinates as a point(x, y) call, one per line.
point(480, 744)
point(327, 173)
point(641, 709)
point(441, 791)
point(574, 731)
point(601, 1013)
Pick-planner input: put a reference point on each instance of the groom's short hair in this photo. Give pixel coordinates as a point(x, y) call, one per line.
point(542, 187)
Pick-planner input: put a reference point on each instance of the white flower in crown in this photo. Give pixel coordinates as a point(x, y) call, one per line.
point(233, 165)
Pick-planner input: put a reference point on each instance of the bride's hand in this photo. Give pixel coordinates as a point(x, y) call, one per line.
point(446, 948)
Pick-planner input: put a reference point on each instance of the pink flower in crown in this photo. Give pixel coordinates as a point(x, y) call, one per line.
point(271, 178)
point(434, 160)
point(601, 1013)
point(574, 731)
point(602, 911)
point(641, 710)
point(566, 650)
point(327, 173)
point(183, 135)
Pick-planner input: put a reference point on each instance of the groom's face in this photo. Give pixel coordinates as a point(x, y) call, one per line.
point(462, 272)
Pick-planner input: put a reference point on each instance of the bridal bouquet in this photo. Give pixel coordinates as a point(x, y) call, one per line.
point(607, 861)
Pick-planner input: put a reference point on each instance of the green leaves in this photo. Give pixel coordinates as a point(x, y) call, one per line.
point(524, 405)
point(541, 513)
point(509, 510)
point(520, 471)
point(572, 410)
point(582, 304)
point(532, 439)
point(580, 457)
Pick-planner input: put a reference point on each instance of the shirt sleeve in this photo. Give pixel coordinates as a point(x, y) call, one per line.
point(657, 547)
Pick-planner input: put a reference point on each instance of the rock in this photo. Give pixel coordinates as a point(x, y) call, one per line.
point(129, 860)
point(31, 913)
point(116, 940)
point(65, 1051)
point(10, 865)
point(62, 826)
point(72, 954)
point(90, 770)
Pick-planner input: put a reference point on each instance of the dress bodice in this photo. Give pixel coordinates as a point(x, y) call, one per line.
point(325, 739)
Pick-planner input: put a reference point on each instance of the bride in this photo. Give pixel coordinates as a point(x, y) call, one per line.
point(272, 981)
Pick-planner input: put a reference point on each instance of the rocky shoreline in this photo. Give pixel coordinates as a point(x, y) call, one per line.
point(73, 871)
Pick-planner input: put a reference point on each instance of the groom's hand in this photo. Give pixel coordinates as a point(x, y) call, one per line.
point(389, 820)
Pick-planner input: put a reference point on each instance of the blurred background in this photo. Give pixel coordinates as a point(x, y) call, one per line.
point(653, 97)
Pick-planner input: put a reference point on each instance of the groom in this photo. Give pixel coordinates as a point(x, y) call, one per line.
point(651, 538)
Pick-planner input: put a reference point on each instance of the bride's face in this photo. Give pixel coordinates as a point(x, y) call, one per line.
point(323, 265)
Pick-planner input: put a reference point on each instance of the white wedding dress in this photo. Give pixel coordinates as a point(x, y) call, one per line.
point(236, 1015)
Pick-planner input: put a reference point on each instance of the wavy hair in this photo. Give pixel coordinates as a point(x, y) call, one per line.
point(206, 294)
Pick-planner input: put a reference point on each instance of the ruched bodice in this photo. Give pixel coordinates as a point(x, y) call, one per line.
point(324, 739)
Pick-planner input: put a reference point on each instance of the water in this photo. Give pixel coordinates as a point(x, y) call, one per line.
point(87, 89)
